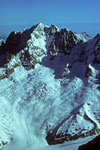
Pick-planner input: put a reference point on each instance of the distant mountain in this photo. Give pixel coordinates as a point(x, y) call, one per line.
point(86, 36)
point(1, 41)
point(49, 86)
point(3, 37)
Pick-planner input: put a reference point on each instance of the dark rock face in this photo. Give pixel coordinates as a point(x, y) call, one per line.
point(15, 43)
point(92, 145)
point(88, 72)
point(97, 53)
point(53, 139)
point(60, 41)
point(63, 42)
point(53, 29)
point(28, 61)
point(67, 40)
point(12, 42)
point(2, 48)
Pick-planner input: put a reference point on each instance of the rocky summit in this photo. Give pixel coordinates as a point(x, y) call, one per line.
point(49, 86)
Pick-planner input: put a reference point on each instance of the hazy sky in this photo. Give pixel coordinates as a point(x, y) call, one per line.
point(76, 15)
point(23, 12)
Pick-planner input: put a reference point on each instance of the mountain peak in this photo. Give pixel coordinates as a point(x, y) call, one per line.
point(41, 25)
point(41, 40)
point(56, 72)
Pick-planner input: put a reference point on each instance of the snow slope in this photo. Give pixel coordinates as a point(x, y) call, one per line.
point(49, 88)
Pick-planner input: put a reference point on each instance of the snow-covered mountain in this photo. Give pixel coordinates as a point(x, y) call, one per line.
point(49, 86)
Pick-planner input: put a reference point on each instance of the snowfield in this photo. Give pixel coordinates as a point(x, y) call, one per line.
point(35, 100)
point(50, 100)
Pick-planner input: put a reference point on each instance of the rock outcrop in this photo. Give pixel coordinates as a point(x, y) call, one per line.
point(92, 145)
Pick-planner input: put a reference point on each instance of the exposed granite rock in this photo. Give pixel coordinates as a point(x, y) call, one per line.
point(61, 138)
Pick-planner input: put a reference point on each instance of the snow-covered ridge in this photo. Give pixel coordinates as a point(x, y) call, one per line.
point(49, 86)
point(37, 42)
